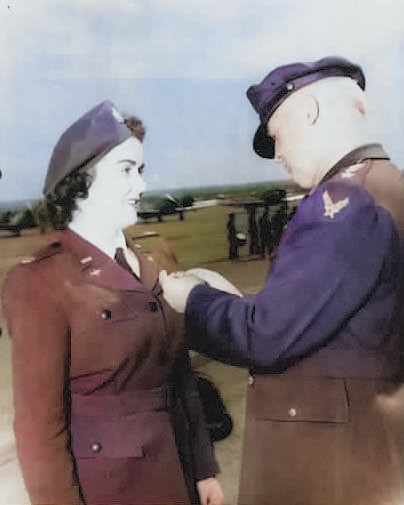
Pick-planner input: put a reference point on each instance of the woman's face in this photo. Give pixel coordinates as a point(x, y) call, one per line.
point(114, 194)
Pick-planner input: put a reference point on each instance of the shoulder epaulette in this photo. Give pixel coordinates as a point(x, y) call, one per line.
point(144, 234)
point(46, 252)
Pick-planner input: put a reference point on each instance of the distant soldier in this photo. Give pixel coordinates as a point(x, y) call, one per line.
point(265, 233)
point(232, 237)
point(279, 220)
point(253, 231)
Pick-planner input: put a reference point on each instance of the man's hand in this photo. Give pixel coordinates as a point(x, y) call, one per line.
point(215, 280)
point(176, 287)
point(210, 491)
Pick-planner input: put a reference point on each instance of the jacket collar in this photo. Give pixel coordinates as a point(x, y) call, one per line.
point(362, 153)
point(101, 269)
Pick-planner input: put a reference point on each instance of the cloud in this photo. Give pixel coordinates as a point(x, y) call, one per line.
point(190, 38)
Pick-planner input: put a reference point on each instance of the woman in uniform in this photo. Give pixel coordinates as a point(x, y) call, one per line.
point(106, 405)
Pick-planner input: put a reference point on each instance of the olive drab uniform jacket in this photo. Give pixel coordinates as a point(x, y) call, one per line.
point(324, 341)
point(106, 407)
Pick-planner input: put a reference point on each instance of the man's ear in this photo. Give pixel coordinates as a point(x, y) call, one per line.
point(312, 108)
point(362, 107)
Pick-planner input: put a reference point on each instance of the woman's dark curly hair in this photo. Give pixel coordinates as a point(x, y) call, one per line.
point(62, 201)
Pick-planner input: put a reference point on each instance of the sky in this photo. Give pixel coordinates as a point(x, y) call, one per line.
point(183, 66)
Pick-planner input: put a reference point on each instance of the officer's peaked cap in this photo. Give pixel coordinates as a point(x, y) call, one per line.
point(88, 139)
point(279, 84)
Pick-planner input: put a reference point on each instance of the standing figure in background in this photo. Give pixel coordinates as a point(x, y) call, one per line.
point(324, 337)
point(278, 222)
point(254, 246)
point(266, 233)
point(106, 405)
point(232, 237)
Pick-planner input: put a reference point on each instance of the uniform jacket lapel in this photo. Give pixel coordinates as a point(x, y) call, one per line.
point(149, 269)
point(97, 267)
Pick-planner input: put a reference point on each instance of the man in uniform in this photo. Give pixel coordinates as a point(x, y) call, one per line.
point(325, 415)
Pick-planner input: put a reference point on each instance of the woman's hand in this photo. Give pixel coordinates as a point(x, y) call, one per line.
point(210, 491)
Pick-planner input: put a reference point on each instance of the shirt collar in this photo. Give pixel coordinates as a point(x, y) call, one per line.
point(365, 152)
point(109, 249)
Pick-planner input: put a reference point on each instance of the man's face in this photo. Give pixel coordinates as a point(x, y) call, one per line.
point(289, 128)
point(117, 186)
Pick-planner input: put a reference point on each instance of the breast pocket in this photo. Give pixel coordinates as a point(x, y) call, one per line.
point(301, 399)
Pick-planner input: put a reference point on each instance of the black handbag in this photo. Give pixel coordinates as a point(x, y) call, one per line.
point(218, 420)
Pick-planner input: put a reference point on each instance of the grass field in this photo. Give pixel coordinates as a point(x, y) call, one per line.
point(199, 238)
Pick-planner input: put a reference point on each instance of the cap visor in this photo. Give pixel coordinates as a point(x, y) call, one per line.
point(263, 145)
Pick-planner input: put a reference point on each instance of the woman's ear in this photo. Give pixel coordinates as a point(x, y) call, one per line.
point(312, 108)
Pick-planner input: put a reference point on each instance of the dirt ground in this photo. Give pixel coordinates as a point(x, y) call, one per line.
point(231, 381)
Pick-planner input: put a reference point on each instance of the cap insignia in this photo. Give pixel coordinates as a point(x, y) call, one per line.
point(331, 208)
point(117, 115)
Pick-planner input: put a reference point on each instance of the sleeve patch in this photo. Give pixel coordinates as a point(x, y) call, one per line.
point(331, 208)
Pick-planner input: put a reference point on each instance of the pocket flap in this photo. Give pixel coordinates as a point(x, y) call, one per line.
point(107, 439)
point(299, 398)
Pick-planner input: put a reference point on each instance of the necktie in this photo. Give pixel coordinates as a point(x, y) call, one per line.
point(121, 260)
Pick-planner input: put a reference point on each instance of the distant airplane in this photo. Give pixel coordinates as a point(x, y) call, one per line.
point(171, 198)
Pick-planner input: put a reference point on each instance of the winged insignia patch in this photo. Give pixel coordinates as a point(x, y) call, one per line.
point(331, 208)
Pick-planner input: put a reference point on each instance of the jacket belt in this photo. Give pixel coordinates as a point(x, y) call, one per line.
point(342, 363)
point(122, 404)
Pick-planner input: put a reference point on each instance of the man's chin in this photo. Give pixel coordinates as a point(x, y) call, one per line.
point(132, 220)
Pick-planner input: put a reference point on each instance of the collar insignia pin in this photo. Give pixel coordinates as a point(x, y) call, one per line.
point(350, 171)
point(86, 260)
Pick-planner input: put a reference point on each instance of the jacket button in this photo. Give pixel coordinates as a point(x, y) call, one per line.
point(292, 412)
point(106, 314)
point(153, 306)
point(96, 447)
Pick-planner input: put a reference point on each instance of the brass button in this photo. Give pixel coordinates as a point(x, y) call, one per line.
point(106, 314)
point(96, 447)
point(153, 306)
point(292, 412)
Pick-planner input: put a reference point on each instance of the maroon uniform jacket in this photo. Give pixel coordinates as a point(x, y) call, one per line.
point(106, 409)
